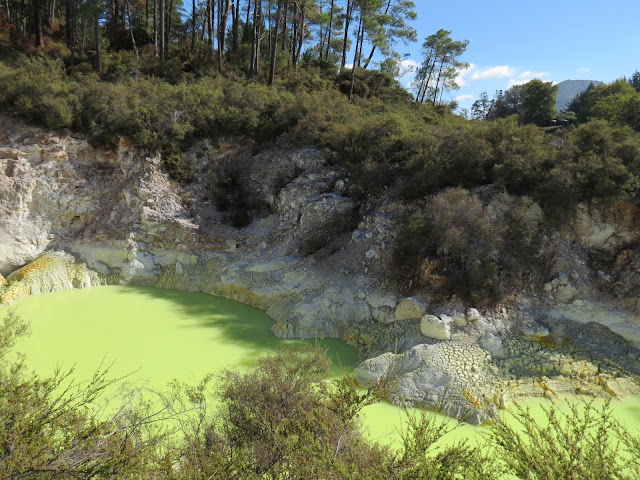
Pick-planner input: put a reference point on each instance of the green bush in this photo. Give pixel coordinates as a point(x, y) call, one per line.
point(478, 253)
point(38, 89)
point(584, 444)
point(380, 141)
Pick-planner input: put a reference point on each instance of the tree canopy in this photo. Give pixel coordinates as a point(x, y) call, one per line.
point(533, 103)
point(617, 102)
point(439, 67)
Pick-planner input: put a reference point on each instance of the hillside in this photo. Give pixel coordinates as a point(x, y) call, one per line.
point(568, 90)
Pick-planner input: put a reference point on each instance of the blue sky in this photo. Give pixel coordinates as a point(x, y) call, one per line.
point(512, 42)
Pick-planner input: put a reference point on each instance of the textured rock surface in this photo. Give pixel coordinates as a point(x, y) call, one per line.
point(411, 308)
point(436, 328)
point(52, 272)
point(118, 213)
point(452, 377)
point(317, 263)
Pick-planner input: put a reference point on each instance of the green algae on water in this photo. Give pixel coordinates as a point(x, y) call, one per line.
point(153, 334)
point(159, 335)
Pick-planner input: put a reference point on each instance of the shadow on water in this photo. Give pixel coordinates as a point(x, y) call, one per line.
point(241, 324)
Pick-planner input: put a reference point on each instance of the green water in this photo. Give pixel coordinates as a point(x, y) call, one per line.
point(385, 422)
point(159, 335)
point(155, 335)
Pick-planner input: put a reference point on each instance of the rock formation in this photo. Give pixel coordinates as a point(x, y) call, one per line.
point(301, 249)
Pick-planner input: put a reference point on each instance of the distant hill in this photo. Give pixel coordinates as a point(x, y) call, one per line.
point(569, 89)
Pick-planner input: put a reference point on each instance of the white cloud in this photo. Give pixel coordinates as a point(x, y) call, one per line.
point(584, 70)
point(408, 69)
point(462, 98)
point(408, 65)
point(501, 71)
point(463, 73)
point(526, 77)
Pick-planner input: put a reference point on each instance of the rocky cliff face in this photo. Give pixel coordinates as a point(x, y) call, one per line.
point(313, 260)
point(118, 213)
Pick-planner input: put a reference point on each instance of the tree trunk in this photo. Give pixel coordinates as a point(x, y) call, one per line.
point(373, 49)
point(210, 16)
point(300, 37)
point(347, 21)
point(430, 67)
point(127, 12)
point(22, 21)
point(235, 24)
point(167, 39)
point(51, 13)
point(274, 45)
point(8, 7)
point(84, 36)
point(37, 23)
point(258, 35)
point(321, 43)
point(205, 23)
point(255, 44)
point(193, 25)
point(161, 36)
point(222, 30)
point(435, 93)
point(356, 59)
point(116, 12)
point(326, 56)
point(245, 31)
point(284, 25)
point(96, 38)
point(70, 27)
point(269, 16)
point(294, 35)
point(360, 40)
point(203, 34)
point(366, 64)
point(155, 27)
point(68, 23)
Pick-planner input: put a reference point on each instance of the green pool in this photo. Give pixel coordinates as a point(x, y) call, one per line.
point(153, 334)
point(156, 335)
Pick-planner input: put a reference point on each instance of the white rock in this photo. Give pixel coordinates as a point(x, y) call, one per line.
point(473, 315)
point(434, 327)
point(483, 326)
point(411, 308)
point(371, 253)
point(381, 300)
point(383, 315)
point(493, 345)
point(459, 320)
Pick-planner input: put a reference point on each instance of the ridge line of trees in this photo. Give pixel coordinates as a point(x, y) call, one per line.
point(320, 29)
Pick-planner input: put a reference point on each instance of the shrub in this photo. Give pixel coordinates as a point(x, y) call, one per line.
point(479, 252)
point(50, 426)
point(583, 444)
point(39, 90)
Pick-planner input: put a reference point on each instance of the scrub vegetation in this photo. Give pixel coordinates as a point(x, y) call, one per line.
point(282, 419)
point(323, 73)
point(165, 76)
point(167, 82)
point(385, 142)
